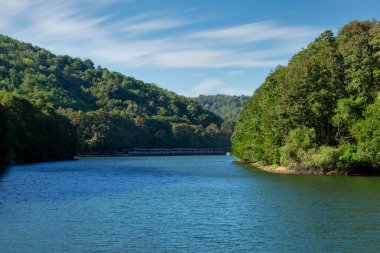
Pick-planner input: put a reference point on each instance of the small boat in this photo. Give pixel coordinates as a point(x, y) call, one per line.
point(228, 154)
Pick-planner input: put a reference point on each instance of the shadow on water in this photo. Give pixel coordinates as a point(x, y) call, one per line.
point(353, 184)
point(3, 171)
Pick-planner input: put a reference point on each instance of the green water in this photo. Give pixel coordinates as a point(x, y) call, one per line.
point(183, 204)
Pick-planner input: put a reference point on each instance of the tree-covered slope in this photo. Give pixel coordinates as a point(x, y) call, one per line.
point(321, 111)
point(110, 111)
point(226, 106)
point(33, 132)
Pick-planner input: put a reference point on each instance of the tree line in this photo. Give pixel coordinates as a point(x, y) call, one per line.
point(321, 111)
point(33, 132)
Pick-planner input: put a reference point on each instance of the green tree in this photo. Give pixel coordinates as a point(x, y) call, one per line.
point(367, 134)
point(6, 137)
point(110, 111)
point(325, 93)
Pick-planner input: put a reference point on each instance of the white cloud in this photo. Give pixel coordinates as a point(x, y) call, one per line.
point(236, 72)
point(65, 27)
point(155, 40)
point(213, 86)
point(212, 58)
point(258, 31)
point(152, 25)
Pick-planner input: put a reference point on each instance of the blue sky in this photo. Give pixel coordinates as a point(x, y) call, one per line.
point(190, 47)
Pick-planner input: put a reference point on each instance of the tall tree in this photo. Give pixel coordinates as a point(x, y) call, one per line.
point(326, 91)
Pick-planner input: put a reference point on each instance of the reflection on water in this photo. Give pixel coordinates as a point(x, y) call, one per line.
point(193, 203)
point(3, 171)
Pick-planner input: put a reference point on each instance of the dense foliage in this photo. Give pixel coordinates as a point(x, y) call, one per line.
point(321, 111)
point(109, 110)
point(31, 133)
point(226, 106)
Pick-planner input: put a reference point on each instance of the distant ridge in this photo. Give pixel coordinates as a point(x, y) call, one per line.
point(225, 106)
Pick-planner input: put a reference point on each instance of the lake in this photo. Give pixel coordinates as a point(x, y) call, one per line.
point(183, 204)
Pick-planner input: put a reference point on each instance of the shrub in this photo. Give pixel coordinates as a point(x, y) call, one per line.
point(325, 158)
point(297, 143)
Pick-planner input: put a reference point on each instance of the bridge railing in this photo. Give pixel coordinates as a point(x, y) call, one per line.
point(178, 151)
point(159, 152)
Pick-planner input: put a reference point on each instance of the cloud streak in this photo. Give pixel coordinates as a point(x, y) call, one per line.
point(152, 25)
point(160, 39)
point(64, 27)
point(254, 32)
point(212, 86)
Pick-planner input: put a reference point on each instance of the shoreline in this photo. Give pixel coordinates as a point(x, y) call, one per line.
point(308, 171)
point(285, 171)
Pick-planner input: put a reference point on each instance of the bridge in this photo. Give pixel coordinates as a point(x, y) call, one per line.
point(178, 151)
point(158, 152)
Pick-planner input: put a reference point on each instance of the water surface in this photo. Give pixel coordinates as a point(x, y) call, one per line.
point(189, 204)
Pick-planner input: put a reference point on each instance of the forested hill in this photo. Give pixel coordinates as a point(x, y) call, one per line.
point(226, 106)
point(321, 111)
point(109, 111)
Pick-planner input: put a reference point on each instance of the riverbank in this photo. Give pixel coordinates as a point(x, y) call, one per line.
point(357, 171)
point(284, 170)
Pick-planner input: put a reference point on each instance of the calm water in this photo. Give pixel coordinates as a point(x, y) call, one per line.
point(189, 204)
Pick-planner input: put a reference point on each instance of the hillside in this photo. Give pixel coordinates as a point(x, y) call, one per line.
point(110, 111)
point(225, 106)
point(321, 112)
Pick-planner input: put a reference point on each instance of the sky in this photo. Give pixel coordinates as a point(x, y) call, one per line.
point(189, 47)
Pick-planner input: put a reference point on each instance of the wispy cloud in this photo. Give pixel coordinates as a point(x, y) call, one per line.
point(212, 58)
point(152, 25)
point(258, 31)
point(212, 86)
point(159, 39)
point(64, 26)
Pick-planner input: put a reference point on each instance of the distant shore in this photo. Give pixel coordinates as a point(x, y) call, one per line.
point(161, 152)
